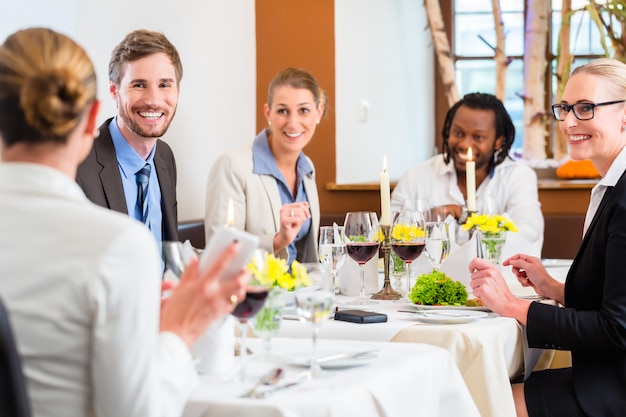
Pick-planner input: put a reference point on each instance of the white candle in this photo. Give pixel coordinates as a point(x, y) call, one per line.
point(385, 196)
point(470, 181)
point(230, 214)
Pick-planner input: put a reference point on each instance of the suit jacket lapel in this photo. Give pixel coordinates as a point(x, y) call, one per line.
point(271, 189)
point(605, 198)
point(168, 195)
point(110, 173)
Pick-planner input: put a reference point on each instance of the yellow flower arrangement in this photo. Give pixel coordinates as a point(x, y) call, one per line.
point(489, 225)
point(405, 232)
point(276, 273)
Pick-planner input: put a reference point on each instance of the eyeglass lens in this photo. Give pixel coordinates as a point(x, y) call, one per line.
point(582, 111)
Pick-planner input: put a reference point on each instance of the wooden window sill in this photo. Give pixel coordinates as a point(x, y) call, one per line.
point(542, 184)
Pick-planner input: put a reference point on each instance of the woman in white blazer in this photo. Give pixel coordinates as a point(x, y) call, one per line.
point(271, 181)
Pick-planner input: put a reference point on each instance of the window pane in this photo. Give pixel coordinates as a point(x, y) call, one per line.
point(584, 34)
point(465, 6)
point(469, 29)
point(479, 76)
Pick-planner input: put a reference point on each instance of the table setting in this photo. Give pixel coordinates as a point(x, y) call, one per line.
point(363, 378)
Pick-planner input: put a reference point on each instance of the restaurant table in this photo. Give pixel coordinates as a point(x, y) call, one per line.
point(395, 380)
point(489, 352)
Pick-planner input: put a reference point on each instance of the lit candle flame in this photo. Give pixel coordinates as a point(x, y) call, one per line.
point(469, 154)
point(230, 213)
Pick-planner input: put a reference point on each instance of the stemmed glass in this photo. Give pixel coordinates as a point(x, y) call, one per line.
point(437, 243)
point(361, 234)
point(407, 240)
point(256, 294)
point(314, 304)
point(332, 250)
point(174, 262)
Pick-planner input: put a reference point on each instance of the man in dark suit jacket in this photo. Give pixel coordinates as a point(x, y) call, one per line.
point(144, 77)
point(99, 177)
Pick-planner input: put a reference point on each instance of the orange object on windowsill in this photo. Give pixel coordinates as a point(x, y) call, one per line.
point(577, 170)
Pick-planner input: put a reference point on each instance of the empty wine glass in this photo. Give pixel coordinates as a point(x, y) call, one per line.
point(256, 294)
point(407, 240)
point(314, 304)
point(421, 205)
point(437, 242)
point(361, 235)
point(487, 205)
point(174, 262)
point(332, 250)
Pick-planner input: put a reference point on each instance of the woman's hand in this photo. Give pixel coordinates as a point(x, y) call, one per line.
point(530, 272)
point(489, 285)
point(291, 218)
point(198, 300)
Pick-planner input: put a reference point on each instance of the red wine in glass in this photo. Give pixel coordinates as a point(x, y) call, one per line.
point(361, 252)
point(255, 299)
point(408, 251)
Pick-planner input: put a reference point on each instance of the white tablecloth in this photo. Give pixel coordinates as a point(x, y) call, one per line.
point(401, 380)
point(488, 352)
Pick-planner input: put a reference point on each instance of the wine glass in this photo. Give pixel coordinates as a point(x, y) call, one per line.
point(361, 234)
point(174, 262)
point(407, 240)
point(437, 243)
point(256, 294)
point(332, 250)
point(421, 205)
point(487, 205)
point(314, 304)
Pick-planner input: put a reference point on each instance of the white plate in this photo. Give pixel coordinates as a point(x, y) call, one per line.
point(448, 316)
point(557, 263)
point(468, 308)
point(342, 363)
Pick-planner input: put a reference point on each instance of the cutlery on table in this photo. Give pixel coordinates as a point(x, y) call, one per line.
point(434, 313)
point(270, 378)
point(346, 355)
point(275, 388)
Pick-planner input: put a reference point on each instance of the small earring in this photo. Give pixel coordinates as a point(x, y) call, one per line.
point(269, 123)
point(96, 133)
point(318, 122)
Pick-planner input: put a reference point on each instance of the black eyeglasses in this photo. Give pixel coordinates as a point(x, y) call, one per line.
point(582, 111)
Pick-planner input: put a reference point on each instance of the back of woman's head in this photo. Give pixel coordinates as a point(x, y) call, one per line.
point(297, 78)
point(612, 71)
point(47, 82)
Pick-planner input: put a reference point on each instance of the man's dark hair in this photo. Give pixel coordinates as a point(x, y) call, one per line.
point(504, 124)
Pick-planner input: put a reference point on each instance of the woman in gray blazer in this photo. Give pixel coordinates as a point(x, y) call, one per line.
point(271, 182)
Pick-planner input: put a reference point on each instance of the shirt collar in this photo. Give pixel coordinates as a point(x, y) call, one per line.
point(615, 171)
point(264, 162)
point(129, 161)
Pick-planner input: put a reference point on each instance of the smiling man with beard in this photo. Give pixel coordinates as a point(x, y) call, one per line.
point(478, 121)
point(130, 169)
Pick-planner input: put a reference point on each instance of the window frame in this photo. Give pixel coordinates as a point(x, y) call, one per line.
point(441, 105)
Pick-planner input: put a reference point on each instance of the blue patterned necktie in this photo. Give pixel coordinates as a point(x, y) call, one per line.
point(143, 177)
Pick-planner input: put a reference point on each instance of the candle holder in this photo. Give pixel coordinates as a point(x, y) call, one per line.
point(386, 293)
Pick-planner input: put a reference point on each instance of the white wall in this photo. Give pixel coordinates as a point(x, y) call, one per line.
point(216, 40)
point(383, 57)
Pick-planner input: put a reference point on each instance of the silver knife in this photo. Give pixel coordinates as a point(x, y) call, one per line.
point(267, 393)
point(345, 355)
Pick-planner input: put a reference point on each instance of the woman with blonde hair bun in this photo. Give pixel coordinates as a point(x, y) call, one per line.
point(82, 283)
